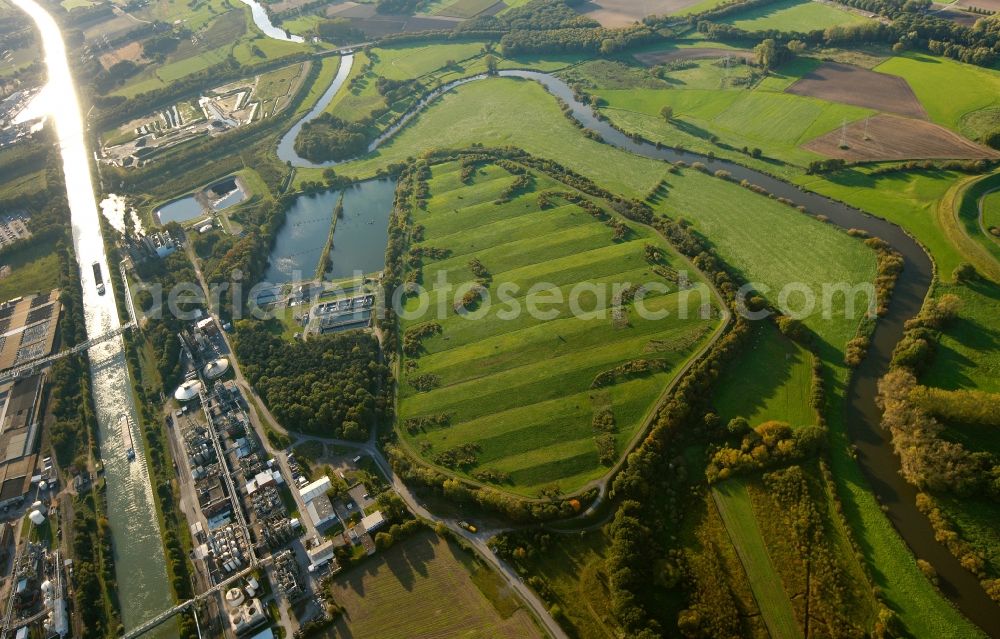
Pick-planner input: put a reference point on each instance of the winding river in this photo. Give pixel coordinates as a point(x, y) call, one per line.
point(263, 22)
point(874, 448)
point(140, 568)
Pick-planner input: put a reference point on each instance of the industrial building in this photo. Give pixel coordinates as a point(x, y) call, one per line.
point(28, 328)
point(18, 438)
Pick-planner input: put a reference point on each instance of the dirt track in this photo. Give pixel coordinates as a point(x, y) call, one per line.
point(895, 138)
point(849, 84)
point(659, 57)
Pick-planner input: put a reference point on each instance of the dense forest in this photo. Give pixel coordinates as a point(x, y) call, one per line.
point(330, 385)
point(330, 138)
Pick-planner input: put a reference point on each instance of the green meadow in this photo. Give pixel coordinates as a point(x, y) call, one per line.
point(971, 89)
point(968, 356)
point(777, 247)
point(520, 388)
point(791, 15)
point(991, 210)
point(720, 108)
point(491, 112)
point(770, 379)
point(429, 65)
point(220, 29)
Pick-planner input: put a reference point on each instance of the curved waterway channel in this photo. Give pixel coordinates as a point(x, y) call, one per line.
point(140, 567)
point(878, 462)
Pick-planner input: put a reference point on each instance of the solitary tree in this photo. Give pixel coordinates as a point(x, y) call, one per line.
point(491, 64)
point(667, 113)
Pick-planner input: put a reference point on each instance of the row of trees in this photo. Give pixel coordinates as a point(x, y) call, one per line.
point(912, 28)
point(929, 461)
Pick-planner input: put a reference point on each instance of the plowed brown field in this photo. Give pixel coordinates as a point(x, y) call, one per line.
point(848, 84)
point(895, 138)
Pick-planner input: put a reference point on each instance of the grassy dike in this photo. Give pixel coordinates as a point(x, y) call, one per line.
point(324, 256)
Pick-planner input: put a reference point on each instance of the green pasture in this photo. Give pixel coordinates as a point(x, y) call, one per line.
point(519, 386)
point(770, 379)
point(969, 88)
point(776, 246)
point(969, 353)
point(909, 199)
point(464, 8)
point(491, 112)
point(991, 210)
point(220, 29)
point(34, 269)
point(791, 15)
point(412, 61)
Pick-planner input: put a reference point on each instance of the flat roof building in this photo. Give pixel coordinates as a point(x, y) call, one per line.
point(28, 328)
point(318, 487)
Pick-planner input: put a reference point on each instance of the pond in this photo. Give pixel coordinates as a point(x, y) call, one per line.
point(228, 192)
point(361, 235)
point(358, 242)
point(220, 195)
point(180, 210)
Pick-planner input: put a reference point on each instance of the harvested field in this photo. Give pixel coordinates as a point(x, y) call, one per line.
point(989, 5)
point(621, 13)
point(131, 51)
point(701, 53)
point(287, 5)
point(375, 25)
point(426, 587)
point(468, 8)
point(853, 85)
point(964, 18)
point(895, 138)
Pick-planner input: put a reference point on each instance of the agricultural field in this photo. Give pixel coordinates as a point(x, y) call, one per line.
point(772, 244)
point(972, 90)
point(427, 586)
point(770, 380)
point(217, 29)
point(517, 397)
point(490, 112)
point(888, 137)
point(464, 8)
point(622, 13)
point(712, 101)
point(791, 15)
point(33, 269)
point(858, 86)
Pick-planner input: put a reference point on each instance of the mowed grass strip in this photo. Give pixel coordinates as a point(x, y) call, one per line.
point(427, 587)
point(733, 502)
point(519, 387)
